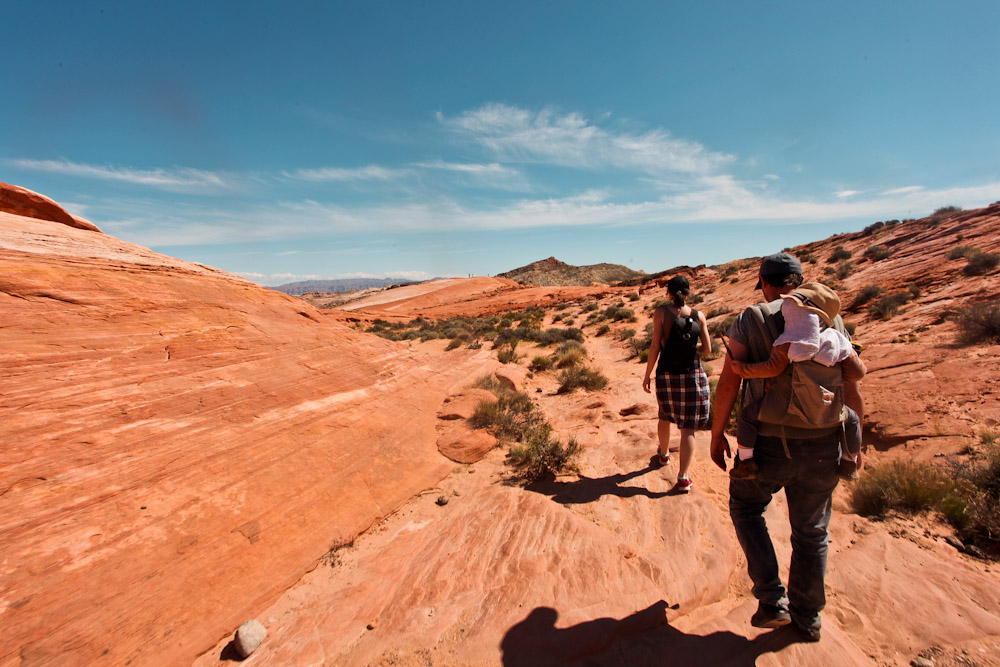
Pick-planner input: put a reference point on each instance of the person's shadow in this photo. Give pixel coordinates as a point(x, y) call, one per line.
point(588, 489)
point(642, 638)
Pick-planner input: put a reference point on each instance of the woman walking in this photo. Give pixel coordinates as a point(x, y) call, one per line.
point(681, 383)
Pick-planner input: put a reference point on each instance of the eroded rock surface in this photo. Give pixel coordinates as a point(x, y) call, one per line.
point(181, 445)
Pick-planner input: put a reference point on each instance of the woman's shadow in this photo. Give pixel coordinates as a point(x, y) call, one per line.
point(588, 489)
point(642, 638)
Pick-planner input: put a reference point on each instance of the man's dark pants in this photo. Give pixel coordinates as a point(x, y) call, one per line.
point(809, 478)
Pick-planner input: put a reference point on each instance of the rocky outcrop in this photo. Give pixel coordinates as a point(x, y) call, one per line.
point(24, 202)
point(552, 272)
point(181, 445)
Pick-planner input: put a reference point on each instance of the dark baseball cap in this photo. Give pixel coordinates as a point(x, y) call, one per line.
point(780, 264)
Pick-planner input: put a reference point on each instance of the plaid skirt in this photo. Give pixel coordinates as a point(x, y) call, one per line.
point(683, 397)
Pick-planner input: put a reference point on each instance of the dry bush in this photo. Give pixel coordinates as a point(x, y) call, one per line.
point(866, 294)
point(981, 263)
point(541, 456)
point(888, 305)
point(877, 253)
point(581, 377)
point(839, 253)
point(979, 323)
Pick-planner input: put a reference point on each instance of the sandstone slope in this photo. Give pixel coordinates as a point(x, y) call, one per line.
point(181, 445)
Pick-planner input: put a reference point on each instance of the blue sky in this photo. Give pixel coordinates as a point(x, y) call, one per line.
point(288, 141)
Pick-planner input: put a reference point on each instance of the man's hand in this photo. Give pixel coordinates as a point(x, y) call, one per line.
point(645, 384)
point(720, 450)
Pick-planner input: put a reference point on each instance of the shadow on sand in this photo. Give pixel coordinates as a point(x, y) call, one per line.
point(643, 638)
point(588, 489)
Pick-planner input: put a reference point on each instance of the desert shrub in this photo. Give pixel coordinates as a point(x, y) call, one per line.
point(981, 263)
point(508, 354)
point(455, 343)
point(877, 253)
point(839, 253)
point(602, 330)
point(695, 299)
point(721, 327)
point(510, 417)
point(590, 307)
point(540, 456)
point(557, 317)
point(844, 269)
point(899, 485)
point(569, 357)
point(633, 297)
point(850, 328)
point(979, 323)
point(618, 313)
point(731, 423)
point(888, 305)
point(715, 312)
point(966, 494)
point(540, 364)
point(947, 210)
point(872, 228)
point(625, 334)
point(581, 377)
point(960, 251)
point(866, 294)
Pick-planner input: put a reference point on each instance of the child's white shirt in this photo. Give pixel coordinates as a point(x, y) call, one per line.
point(802, 329)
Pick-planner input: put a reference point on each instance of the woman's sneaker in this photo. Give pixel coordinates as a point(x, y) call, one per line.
point(683, 484)
point(662, 460)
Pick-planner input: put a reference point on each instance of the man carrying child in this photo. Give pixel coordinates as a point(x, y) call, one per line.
point(802, 459)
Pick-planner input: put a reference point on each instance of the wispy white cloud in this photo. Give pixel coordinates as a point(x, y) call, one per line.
point(178, 179)
point(570, 140)
point(720, 198)
point(844, 194)
point(368, 173)
point(492, 169)
point(903, 191)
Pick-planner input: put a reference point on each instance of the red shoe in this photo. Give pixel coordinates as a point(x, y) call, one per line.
point(661, 459)
point(684, 484)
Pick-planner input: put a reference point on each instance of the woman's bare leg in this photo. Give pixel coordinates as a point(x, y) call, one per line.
point(663, 436)
point(687, 451)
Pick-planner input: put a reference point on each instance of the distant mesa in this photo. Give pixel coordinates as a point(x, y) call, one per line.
point(24, 202)
point(341, 285)
point(553, 273)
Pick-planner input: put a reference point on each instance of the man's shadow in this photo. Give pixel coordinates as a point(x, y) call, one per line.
point(642, 638)
point(588, 489)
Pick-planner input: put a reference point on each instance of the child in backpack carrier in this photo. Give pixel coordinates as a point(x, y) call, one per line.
point(808, 312)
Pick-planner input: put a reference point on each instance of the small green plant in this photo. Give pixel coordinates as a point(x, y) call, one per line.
point(455, 343)
point(625, 334)
point(719, 310)
point(979, 323)
point(540, 364)
point(602, 330)
point(633, 297)
point(581, 377)
point(899, 485)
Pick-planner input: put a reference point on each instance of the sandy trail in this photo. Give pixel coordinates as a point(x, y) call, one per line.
point(606, 567)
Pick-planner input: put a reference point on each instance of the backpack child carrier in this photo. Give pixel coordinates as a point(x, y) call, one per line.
point(806, 395)
point(679, 352)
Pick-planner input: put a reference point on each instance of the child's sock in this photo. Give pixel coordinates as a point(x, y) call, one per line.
point(745, 453)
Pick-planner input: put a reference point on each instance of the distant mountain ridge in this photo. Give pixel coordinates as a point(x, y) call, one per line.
point(340, 285)
point(551, 273)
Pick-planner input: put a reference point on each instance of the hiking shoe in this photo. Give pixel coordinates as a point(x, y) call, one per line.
point(848, 470)
point(770, 616)
point(661, 459)
point(683, 484)
point(744, 469)
point(808, 634)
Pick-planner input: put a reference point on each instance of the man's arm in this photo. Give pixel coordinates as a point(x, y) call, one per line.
point(726, 392)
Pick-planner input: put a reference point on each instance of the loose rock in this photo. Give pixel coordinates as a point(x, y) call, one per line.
point(248, 637)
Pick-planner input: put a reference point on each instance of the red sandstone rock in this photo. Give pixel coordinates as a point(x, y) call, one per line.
point(21, 201)
point(181, 445)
